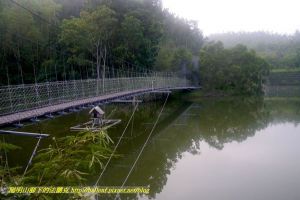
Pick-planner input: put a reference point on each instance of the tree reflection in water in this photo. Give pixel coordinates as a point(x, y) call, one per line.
point(184, 127)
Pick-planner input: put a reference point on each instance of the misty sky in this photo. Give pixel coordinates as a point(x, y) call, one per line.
point(217, 16)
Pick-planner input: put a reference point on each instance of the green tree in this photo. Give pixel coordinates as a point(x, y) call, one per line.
point(132, 37)
point(279, 50)
point(236, 70)
point(74, 36)
point(21, 34)
point(91, 32)
point(165, 58)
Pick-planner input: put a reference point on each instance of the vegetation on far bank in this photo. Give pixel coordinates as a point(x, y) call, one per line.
point(65, 40)
point(280, 70)
point(279, 50)
point(236, 71)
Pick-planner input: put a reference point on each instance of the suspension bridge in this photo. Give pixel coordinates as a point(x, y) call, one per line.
point(65, 88)
point(29, 101)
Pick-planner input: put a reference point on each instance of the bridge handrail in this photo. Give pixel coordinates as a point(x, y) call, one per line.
point(17, 98)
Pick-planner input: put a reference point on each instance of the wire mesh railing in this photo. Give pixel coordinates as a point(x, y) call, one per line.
point(17, 98)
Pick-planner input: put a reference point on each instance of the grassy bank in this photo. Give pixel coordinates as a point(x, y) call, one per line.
point(285, 70)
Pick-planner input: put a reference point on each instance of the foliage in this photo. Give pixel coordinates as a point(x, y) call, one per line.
point(24, 43)
point(91, 32)
point(181, 42)
point(132, 38)
point(280, 70)
point(236, 70)
point(67, 39)
point(8, 176)
point(69, 159)
point(281, 51)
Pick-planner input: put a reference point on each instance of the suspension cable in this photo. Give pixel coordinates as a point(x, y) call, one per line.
point(119, 141)
point(143, 147)
point(33, 13)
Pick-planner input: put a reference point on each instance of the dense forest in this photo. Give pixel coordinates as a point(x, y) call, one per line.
point(54, 40)
point(235, 70)
point(63, 39)
point(281, 51)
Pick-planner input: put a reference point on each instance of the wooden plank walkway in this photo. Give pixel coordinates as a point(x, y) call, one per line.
point(17, 117)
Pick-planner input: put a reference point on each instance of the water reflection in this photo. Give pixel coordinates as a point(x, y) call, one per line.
point(188, 131)
point(231, 120)
point(215, 122)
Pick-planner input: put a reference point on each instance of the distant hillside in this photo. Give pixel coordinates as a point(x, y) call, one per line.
point(281, 51)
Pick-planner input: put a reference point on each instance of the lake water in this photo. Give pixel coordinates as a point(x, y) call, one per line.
point(233, 148)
